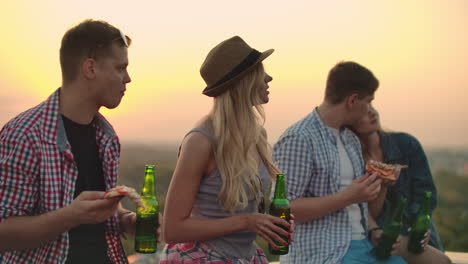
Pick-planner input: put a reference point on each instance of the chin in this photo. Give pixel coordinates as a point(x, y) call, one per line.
point(112, 105)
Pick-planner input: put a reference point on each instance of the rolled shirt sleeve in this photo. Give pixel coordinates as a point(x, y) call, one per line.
point(17, 182)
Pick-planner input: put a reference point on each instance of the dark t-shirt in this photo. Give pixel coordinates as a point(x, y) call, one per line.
point(87, 242)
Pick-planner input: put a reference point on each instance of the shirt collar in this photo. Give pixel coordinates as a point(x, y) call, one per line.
point(54, 129)
point(345, 133)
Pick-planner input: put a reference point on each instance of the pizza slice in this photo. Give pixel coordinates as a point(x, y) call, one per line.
point(384, 171)
point(123, 190)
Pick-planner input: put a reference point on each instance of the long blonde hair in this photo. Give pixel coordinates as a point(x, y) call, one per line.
point(237, 119)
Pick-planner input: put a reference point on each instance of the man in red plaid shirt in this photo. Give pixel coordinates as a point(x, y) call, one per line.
point(58, 158)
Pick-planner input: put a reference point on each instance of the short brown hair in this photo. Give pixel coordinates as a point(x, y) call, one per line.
point(347, 78)
point(89, 39)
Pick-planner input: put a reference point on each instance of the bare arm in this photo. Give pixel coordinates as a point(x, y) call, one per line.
point(376, 205)
point(372, 223)
point(24, 232)
point(178, 225)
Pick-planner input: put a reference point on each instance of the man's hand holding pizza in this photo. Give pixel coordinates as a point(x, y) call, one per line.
point(128, 218)
point(90, 207)
point(363, 189)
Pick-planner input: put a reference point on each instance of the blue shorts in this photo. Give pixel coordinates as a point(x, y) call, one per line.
point(359, 252)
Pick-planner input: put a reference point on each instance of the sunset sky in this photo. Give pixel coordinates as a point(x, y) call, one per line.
point(417, 49)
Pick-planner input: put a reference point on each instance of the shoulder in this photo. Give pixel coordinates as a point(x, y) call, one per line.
point(197, 150)
point(197, 142)
point(402, 137)
point(304, 128)
point(350, 135)
point(22, 126)
point(294, 140)
point(105, 125)
point(404, 141)
point(291, 136)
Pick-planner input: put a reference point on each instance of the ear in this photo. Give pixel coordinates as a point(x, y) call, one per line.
point(351, 100)
point(88, 68)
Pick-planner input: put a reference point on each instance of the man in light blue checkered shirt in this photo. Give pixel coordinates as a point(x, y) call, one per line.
point(325, 176)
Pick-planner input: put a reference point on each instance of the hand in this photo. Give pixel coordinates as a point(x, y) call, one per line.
point(363, 189)
point(128, 224)
point(396, 245)
point(376, 235)
point(158, 231)
point(127, 221)
point(264, 225)
point(90, 207)
point(426, 239)
point(291, 229)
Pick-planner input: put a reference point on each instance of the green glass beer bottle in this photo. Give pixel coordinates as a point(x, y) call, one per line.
point(391, 231)
point(420, 226)
point(147, 223)
point(279, 207)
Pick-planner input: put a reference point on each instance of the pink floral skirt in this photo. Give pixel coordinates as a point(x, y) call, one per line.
point(200, 253)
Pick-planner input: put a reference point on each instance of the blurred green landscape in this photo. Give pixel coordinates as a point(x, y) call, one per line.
point(449, 168)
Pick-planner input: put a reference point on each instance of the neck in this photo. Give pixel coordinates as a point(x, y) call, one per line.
point(76, 104)
point(371, 145)
point(332, 115)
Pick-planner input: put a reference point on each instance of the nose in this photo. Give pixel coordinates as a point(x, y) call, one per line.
point(127, 78)
point(372, 112)
point(268, 78)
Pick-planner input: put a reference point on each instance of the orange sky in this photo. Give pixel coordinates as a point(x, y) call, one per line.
point(417, 49)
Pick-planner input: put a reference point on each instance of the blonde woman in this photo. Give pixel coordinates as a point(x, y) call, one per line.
point(215, 203)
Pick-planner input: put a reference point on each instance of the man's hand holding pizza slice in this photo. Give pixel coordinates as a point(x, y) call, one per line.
point(128, 218)
point(389, 173)
point(123, 190)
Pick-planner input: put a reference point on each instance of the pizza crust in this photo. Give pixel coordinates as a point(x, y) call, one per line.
point(123, 190)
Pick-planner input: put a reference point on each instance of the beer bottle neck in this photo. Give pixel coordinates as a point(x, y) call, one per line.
point(426, 203)
point(280, 187)
point(401, 208)
point(148, 186)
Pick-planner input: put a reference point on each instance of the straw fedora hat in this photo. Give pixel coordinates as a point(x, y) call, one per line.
point(228, 62)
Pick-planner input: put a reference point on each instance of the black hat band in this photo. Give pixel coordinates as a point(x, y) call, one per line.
point(246, 63)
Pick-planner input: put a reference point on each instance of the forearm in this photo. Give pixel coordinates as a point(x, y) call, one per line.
point(24, 232)
point(376, 205)
point(312, 208)
point(201, 229)
point(371, 222)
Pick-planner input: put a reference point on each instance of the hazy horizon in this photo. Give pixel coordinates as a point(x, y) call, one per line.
point(174, 145)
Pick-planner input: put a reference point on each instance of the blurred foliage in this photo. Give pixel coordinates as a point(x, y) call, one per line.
point(451, 215)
